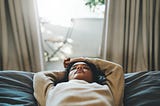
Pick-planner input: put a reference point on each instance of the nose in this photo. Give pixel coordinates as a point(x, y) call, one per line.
point(79, 67)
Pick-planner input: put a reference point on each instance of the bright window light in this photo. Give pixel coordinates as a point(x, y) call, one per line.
point(60, 12)
point(65, 23)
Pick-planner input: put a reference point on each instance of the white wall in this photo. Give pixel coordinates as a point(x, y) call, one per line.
point(86, 35)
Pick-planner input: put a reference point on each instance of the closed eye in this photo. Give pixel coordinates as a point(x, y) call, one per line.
point(73, 68)
point(86, 67)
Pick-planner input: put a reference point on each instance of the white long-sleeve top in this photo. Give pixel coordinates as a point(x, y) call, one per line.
point(79, 93)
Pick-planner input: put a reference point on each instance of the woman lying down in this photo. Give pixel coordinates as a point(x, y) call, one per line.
point(85, 82)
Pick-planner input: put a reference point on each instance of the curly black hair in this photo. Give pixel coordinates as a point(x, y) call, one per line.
point(98, 76)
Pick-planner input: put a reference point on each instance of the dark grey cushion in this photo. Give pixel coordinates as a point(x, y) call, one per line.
point(16, 88)
point(142, 89)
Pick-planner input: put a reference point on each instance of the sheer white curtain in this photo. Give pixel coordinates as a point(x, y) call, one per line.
point(132, 35)
point(20, 41)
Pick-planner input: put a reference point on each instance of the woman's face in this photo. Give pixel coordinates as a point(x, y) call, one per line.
point(81, 71)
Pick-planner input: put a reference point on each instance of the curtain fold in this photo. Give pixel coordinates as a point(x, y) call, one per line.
point(20, 41)
point(132, 34)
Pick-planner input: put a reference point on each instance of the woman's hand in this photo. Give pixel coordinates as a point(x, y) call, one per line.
point(66, 62)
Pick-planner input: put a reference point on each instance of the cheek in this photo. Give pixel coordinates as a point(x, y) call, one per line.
point(88, 71)
point(89, 74)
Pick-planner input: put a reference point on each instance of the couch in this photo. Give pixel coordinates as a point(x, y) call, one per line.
point(141, 88)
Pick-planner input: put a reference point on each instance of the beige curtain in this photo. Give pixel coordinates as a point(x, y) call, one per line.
point(20, 42)
point(132, 34)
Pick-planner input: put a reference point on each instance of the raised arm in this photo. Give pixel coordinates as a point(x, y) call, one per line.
point(115, 77)
point(43, 82)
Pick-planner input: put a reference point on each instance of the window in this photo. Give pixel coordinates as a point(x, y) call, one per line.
point(70, 28)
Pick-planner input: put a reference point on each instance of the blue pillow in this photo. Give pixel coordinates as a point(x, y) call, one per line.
point(142, 89)
point(16, 88)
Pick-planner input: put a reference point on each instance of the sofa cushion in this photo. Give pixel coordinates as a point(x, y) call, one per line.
point(16, 88)
point(142, 89)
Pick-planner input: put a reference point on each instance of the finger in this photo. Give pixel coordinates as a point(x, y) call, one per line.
point(66, 62)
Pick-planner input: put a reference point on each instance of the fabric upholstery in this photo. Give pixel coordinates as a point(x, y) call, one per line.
point(16, 88)
point(142, 89)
